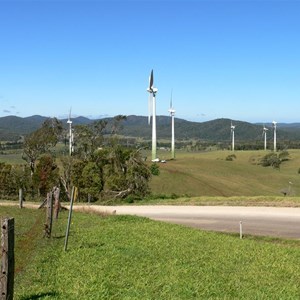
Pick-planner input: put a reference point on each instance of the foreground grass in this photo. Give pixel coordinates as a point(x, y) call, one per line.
point(122, 257)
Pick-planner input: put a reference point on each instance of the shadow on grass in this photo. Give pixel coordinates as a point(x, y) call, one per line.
point(39, 296)
point(58, 236)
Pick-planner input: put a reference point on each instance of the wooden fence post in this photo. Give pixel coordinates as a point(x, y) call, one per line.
point(57, 206)
point(49, 212)
point(8, 259)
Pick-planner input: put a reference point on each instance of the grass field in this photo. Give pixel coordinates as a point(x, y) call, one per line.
point(210, 174)
point(12, 157)
point(122, 257)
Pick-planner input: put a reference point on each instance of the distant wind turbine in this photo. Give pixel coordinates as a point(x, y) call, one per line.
point(71, 137)
point(172, 114)
point(274, 132)
point(152, 111)
point(232, 136)
point(265, 129)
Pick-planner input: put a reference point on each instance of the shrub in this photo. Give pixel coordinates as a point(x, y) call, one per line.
point(154, 169)
point(230, 157)
point(274, 160)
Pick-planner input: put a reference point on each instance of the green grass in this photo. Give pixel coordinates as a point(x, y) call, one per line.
point(225, 201)
point(209, 174)
point(125, 257)
point(12, 157)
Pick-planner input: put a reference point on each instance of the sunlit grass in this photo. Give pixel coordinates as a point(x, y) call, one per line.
point(124, 257)
point(210, 174)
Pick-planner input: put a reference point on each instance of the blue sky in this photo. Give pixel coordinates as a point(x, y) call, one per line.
point(223, 59)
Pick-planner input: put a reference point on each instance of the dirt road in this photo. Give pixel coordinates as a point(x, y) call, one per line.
point(268, 221)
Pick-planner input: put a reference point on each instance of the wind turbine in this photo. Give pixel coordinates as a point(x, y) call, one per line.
point(152, 111)
point(274, 130)
point(71, 137)
point(265, 129)
point(172, 114)
point(232, 136)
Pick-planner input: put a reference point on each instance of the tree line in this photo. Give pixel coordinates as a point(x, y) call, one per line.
point(100, 167)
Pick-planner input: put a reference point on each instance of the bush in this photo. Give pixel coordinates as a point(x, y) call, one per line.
point(274, 160)
point(154, 169)
point(230, 157)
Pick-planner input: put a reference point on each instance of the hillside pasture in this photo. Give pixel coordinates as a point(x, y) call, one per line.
point(210, 174)
point(13, 157)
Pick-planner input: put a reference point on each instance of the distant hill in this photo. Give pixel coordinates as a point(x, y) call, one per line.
point(12, 128)
point(215, 130)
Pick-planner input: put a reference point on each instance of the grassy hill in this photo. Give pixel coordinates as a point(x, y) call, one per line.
point(210, 174)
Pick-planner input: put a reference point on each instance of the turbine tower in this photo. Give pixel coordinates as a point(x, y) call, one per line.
point(232, 136)
point(152, 111)
point(70, 134)
point(265, 129)
point(172, 114)
point(274, 130)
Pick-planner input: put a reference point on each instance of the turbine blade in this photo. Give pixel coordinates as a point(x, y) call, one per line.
point(171, 104)
point(151, 80)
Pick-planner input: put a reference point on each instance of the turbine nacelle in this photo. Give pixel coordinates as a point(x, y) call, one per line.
point(232, 127)
point(69, 118)
point(152, 90)
point(172, 111)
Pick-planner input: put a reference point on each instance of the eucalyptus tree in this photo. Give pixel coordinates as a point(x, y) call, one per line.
point(89, 138)
point(41, 141)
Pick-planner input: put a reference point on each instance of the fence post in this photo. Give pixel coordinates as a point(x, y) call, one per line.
point(20, 198)
point(57, 205)
point(73, 197)
point(49, 212)
point(241, 229)
point(8, 259)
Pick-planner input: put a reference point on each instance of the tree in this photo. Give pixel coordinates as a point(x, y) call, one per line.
point(89, 138)
point(116, 126)
point(46, 175)
point(127, 174)
point(41, 141)
point(66, 175)
point(5, 171)
point(92, 180)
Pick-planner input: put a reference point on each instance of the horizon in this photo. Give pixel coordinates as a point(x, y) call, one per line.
point(238, 59)
point(146, 117)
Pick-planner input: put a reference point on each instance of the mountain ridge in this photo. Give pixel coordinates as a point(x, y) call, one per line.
point(13, 127)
